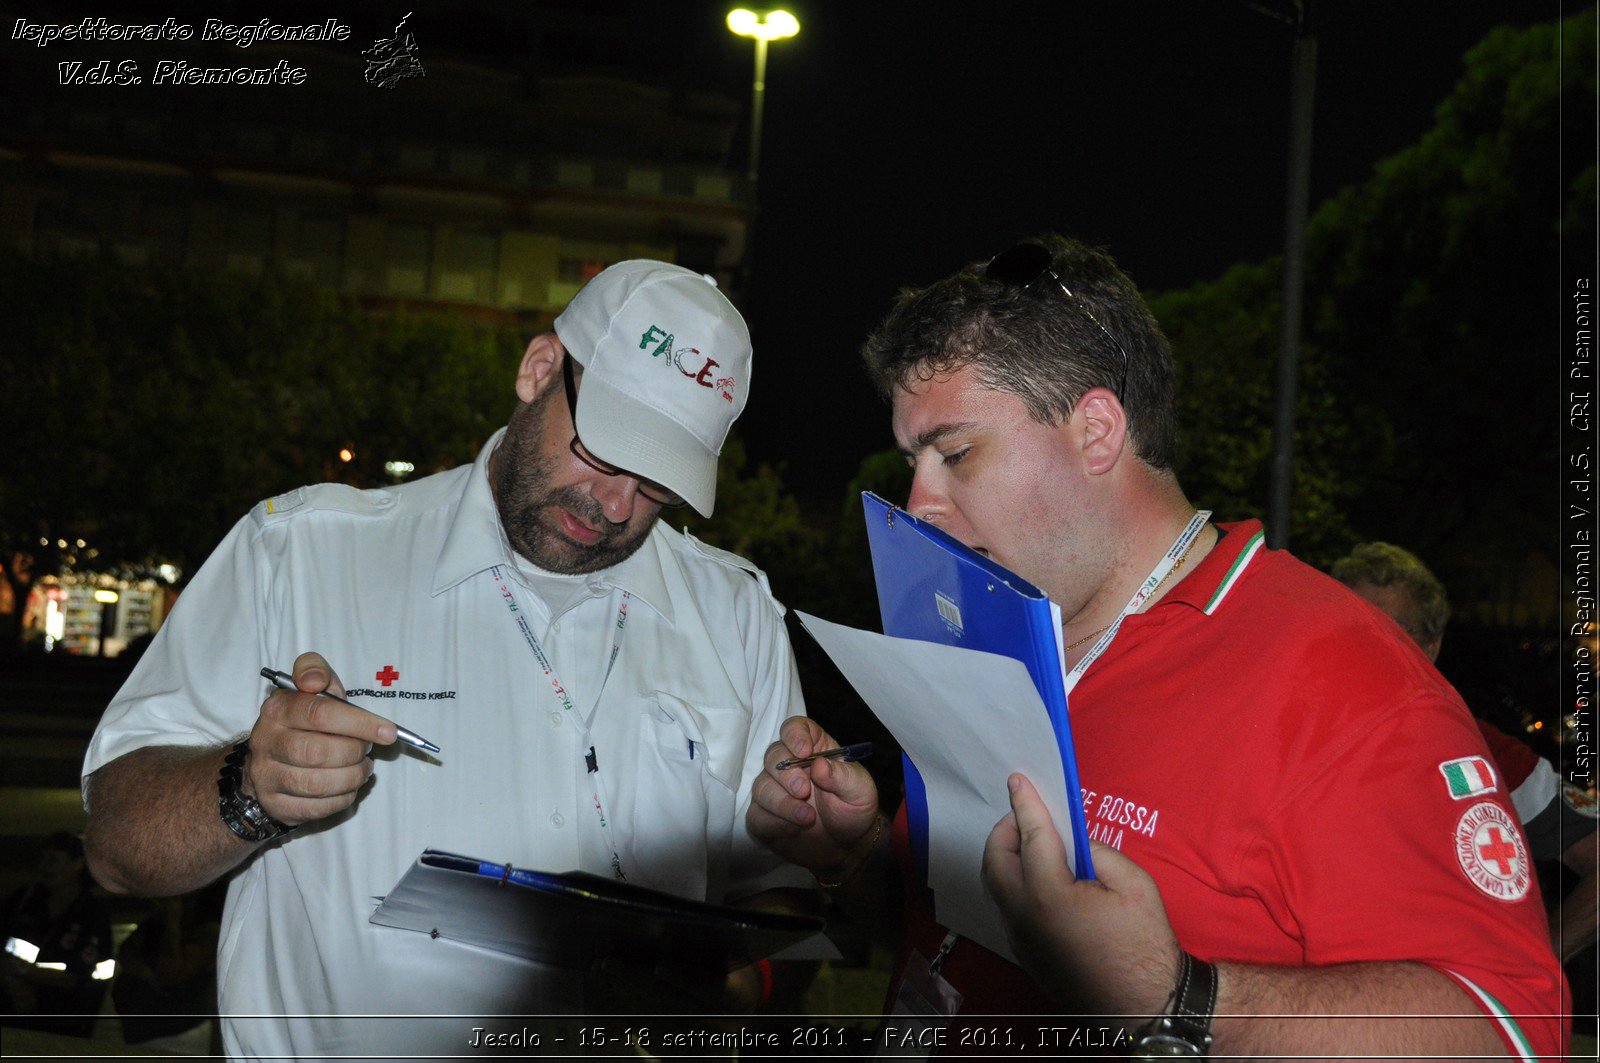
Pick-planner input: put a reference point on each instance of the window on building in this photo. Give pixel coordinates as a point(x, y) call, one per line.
point(316, 251)
point(248, 245)
point(406, 249)
point(467, 266)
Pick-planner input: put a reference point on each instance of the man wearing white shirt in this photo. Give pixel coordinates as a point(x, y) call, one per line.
point(601, 688)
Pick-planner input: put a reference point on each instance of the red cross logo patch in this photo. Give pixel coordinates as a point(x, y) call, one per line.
point(1491, 851)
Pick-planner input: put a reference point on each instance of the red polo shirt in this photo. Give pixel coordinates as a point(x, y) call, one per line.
point(1300, 783)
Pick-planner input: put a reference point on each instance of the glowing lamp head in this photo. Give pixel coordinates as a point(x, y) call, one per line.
point(775, 27)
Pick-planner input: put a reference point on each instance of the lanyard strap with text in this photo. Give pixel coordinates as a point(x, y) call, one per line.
point(1164, 567)
point(591, 763)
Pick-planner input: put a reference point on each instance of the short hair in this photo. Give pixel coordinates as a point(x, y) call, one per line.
point(1387, 565)
point(1037, 344)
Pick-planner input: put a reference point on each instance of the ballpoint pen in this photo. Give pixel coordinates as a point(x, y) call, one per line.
point(845, 753)
point(285, 681)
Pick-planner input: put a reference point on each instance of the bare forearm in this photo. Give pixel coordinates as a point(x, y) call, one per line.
point(1356, 1010)
point(154, 828)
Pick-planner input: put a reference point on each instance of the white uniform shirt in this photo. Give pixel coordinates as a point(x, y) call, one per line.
point(397, 589)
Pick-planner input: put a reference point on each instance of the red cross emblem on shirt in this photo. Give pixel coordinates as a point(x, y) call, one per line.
point(388, 675)
point(1499, 850)
point(1492, 852)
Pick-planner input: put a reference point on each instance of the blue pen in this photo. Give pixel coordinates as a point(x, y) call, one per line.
point(845, 753)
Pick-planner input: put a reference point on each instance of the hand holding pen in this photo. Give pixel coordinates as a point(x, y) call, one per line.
point(309, 749)
point(285, 681)
point(813, 805)
point(848, 754)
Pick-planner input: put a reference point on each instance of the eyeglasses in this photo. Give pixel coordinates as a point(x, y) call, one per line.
point(1024, 266)
point(661, 496)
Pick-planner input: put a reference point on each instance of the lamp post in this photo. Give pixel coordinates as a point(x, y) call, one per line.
point(776, 26)
point(1286, 388)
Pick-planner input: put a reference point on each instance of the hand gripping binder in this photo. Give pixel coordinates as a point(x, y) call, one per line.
point(932, 588)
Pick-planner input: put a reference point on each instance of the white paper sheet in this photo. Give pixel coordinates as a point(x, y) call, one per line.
point(967, 720)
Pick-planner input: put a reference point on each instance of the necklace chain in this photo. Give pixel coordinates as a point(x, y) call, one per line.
point(1098, 631)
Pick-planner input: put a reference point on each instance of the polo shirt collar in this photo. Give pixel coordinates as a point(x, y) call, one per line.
point(476, 543)
point(1209, 582)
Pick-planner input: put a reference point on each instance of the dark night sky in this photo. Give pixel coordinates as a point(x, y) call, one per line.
point(899, 146)
point(905, 139)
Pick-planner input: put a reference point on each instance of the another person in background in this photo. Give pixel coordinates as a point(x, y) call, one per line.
point(58, 944)
point(1558, 818)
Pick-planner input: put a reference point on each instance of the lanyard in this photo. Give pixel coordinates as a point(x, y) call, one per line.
point(1163, 569)
point(591, 763)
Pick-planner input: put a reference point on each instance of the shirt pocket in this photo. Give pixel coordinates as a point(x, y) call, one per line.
point(668, 841)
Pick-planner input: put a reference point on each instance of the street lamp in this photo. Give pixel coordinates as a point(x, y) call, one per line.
point(775, 27)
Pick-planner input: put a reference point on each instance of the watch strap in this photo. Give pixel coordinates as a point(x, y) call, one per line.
point(1185, 1029)
point(242, 813)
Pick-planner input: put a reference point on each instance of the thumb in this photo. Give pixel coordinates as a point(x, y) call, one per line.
point(850, 783)
point(313, 674)
point(1044, 855)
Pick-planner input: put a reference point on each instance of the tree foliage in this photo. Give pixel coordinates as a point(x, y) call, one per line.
point(160, 407)
point(1432, 327)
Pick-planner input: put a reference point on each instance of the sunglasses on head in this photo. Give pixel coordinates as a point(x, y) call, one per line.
point(1024, 266)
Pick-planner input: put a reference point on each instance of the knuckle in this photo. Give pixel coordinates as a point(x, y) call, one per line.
point(304, 750)
point(302, 782)
point(273, 709)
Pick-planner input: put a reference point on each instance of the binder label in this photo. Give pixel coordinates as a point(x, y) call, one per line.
point(949, 612)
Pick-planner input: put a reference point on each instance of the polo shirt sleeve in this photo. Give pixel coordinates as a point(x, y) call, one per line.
point(1399, 845)
point(198, 683)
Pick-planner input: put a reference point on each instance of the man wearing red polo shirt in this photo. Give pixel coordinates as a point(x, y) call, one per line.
point(1289, 835)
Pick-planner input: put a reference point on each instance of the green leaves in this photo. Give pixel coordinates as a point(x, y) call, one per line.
point(158, 408)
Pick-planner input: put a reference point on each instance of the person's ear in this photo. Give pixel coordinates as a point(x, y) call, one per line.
point(541, 366)
point(1105, 430)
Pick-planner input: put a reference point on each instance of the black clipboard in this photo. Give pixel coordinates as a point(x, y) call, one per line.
point(573, 918)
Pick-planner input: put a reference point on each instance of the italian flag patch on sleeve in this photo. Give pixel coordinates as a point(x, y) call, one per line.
point(1468, 777)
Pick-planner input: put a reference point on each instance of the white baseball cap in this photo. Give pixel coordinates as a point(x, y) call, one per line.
point(666, 371)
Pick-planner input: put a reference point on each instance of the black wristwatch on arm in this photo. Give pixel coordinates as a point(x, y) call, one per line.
point(1184, 1032)
point(242, 813)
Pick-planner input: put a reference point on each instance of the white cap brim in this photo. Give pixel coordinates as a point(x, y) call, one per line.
point(646, 442)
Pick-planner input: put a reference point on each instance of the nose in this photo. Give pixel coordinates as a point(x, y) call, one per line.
point(925, 501)
point(617, 495)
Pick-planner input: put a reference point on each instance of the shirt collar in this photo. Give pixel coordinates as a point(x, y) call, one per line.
point(1210, 581)
point(476, 542)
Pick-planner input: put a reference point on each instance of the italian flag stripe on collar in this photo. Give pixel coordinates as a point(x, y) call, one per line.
point(1237, 570)
point(1507, 1023)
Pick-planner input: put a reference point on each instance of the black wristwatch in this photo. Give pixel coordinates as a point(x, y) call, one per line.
point(242, 813)
point(1184, 1032)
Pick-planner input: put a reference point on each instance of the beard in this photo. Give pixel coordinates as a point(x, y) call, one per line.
point(520, 475)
